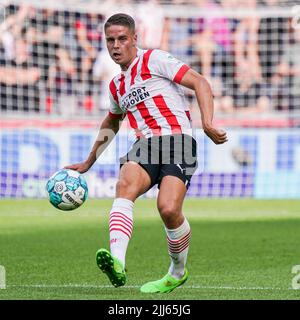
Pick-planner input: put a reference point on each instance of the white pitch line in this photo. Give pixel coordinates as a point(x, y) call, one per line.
point(91, 286)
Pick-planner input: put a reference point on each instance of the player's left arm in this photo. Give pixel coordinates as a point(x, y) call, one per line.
point(195, 81)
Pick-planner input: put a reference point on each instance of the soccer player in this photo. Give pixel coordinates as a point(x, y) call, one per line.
point(148, 91)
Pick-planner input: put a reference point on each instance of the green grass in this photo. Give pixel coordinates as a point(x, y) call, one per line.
point(240, 249)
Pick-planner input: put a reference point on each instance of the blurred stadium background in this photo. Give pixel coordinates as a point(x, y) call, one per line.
point(54, 75)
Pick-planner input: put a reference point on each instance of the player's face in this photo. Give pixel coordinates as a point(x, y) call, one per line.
point(121, 45)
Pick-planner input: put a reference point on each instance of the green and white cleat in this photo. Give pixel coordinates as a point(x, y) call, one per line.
point(112, 267)
point(164, 285)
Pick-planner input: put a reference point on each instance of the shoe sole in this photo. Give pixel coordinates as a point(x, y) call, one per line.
point(105, 263)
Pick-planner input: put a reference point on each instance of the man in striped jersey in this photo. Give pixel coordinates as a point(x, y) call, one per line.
point(148, 91)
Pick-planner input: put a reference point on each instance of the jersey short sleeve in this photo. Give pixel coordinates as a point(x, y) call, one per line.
point(166, 65)
point(115, 111)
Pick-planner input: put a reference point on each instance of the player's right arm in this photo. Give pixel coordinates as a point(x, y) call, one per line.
point(108, 129)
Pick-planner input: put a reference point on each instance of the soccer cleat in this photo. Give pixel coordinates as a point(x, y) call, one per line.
point(112, 267)
point(164, 285)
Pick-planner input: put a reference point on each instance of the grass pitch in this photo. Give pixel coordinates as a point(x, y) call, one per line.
point(240, 249)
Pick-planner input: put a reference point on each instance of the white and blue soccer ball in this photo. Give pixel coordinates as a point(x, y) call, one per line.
point(67, 189)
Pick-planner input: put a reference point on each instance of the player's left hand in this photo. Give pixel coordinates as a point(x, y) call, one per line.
point(218, 136)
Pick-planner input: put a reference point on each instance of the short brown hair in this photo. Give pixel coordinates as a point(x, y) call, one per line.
point(120, 19)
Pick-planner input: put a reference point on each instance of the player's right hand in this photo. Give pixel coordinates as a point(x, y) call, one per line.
point(80, 167)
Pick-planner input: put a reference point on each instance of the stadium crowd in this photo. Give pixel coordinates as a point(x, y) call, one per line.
point(54, 61)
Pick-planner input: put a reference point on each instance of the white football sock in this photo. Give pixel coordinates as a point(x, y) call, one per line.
point(178, 246)
point(120, 227)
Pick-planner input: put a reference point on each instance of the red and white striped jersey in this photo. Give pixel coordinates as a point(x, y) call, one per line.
point(150, 94)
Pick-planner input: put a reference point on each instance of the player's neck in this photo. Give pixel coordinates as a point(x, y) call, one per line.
point(128, 64)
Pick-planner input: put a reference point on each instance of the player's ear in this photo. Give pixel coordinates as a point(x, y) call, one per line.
point(135, 40)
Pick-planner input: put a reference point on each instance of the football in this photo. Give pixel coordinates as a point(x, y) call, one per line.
point(67, 189)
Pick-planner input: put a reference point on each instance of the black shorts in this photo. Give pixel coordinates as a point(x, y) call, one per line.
point(160, 156)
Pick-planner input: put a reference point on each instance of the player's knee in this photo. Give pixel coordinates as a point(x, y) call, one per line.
point(168, 210)
point(125, 188)
point(122, 185)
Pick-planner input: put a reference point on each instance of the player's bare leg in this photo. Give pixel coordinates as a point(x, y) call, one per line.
point(170, 200)
point(133, 181)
